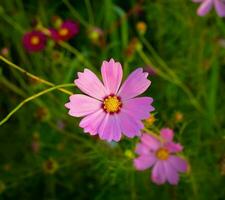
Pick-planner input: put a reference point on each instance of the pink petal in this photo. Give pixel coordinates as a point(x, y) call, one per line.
point(82, 105)
point(205, 7)
point(178, 163)
point(220, 8)
point(92, 122)
point(171, 173)
point(158, 173)
point(173, 147)
point(134, 85)
point(140, 106)
point(110, 129)
point(167, 134)
point(129, 125)
point(150, 141)
point(112, 74)
point(89, 83)
point(142, 149)
point(144, 162)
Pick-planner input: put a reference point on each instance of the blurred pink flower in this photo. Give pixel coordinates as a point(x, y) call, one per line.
point(66, 31)
point(34, 41)
point(160, 153)
point(111, 110)
point(207, 5)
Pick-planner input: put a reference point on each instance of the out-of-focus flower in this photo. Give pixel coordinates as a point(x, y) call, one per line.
point(66, 31)
point(50, 166)
point(133, 46)
point(207, 5)
point(178, 116)
point(5, 51)
point(42, 114)
point(96, 35)
point(109, 109)
point(160, 154)
point(2, 187)
point(35, 143)
point(150, 121)
point(34, 41)
point(141, 27)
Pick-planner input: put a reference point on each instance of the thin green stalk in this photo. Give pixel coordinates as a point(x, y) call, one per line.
point(32, 98)
point(76, 53)
point(174, 80)
point(13, 23)
point(148, 61)
point(89, 11)
point(75, 13)
point(160, 61)
point(13, 87)
point(32, 75)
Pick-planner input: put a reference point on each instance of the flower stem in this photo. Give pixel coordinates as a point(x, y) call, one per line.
point(32, 75)
point(57, 87)
point(73, 50)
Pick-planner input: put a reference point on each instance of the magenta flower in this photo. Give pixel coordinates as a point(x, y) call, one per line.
point(207, 5)
point(66, 31)
point(160, 153)
point(34, 41)
point(111, 110)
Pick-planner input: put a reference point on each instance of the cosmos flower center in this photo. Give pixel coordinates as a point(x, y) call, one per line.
point(162, 154)
point(34, 40)
point(112, 104)
point(63, 31)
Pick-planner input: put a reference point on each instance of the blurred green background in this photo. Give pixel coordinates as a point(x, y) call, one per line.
point(43, 152)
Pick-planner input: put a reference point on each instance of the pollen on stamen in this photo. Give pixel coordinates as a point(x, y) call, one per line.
point(112, 104)
point(63, 32)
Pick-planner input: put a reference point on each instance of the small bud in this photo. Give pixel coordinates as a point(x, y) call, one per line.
point(133, 46)
point(42, 114)
point(56, 21)
point(150, 121)
point(141, 27)
point(5, 51)
point(50, 166)
point(129, 154)
point(178, 116)
point(35, 144)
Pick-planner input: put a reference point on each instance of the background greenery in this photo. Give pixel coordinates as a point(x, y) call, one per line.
point(186, 51)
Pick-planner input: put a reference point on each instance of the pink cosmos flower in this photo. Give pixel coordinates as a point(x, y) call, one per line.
point(66, 31)
point(206, 6)
point(160, 153)
point(34, 41)
point(110, 110)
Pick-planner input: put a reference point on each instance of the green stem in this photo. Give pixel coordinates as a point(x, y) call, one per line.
point(174, 79)
point(79, 55)
point(13, 87)
point(89, 10)
point(32, 75)
point(33, 97)
point(75, 13)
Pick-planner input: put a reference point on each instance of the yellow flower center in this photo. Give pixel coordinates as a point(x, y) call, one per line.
point(162, 154)
point(63, 31)
point(112, 104)
point(34, 40)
